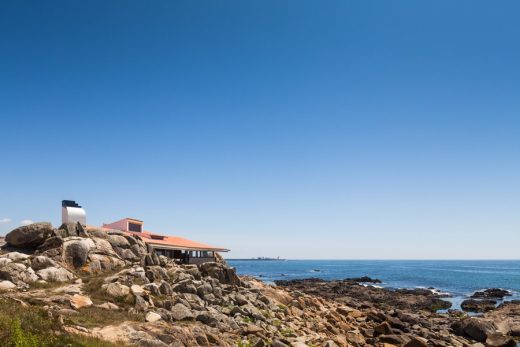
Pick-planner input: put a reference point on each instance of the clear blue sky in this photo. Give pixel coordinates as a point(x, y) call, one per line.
point(304, 129)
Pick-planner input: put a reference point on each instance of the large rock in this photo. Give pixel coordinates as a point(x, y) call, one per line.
point(140, 303)
point(70, 229)
point(417, 342)
point(118, 241)
point(75, 251)
point(102, 246)
point(55, 274)
point(4, 261)
point(41, 262)
point(51, 243)
point(80, 301)
point(181, 312)
point(137, 290)
point(224, 274)
point(204, 289)
point(165, 288)
point(472, 305)
point(97, 232)
point(18, 273)
point(126, 254)
point(116, 290)
point(185, 286)
point(495, 293)
point(15, 256)
point(152, 317)
point(29, 236)
point(7, 285)
point(100, 262)
point(498, 340)
point(478, 329)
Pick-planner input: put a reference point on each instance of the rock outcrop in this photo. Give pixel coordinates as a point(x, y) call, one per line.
point(29, 236)
point(472, 305)
point(491, 293)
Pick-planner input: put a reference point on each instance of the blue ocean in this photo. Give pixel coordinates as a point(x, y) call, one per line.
point(459, 278)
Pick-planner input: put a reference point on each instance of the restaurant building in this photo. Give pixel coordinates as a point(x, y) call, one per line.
point(177, 248)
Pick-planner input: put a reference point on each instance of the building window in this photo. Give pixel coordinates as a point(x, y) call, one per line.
point(135, 227)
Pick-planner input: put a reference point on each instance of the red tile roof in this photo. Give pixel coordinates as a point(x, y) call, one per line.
point(173, 242)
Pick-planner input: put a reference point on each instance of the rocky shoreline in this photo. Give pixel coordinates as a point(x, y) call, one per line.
point(111, 286)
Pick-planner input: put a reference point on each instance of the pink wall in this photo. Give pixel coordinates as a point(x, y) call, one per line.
point(119, 225)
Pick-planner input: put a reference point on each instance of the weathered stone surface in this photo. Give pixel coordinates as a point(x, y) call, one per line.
point(140, 303)
point(116, 290)
point(16, 256)
point(70, 229)
point(118, 241)
point(41, 262)
point(394, 339)
point(492, 293)
point(152, 317)
point(181, 312)
point(221, 272)
point(18, 273)
point(127, 254)
point(136, 289)
point(476, 328)
point(185, 286)
point(417, 342)
point(102, 246)
point(204, 289)
point(498, 340)
point(75, 252)
point(31, 235)
point(97, 232)
point(100, 262)
point(165, 288)
point(383, 328)
point(4, 261)
point(472, 305)
point(55, 274)
point(51, 243)
point(7, 285)
point(79, 301)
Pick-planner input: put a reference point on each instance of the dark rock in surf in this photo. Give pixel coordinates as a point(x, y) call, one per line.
point(472, 305)
point(495, 293)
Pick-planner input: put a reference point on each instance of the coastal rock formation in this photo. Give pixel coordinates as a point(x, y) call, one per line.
point(353, 290)
point(472, 305)
point(112, 286)
point(30, 235)
point(492, 293)
point(478, 329)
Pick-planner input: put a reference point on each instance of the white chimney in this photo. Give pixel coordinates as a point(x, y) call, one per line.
point(71, 212)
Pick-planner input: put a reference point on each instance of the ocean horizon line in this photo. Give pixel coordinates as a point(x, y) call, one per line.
point(377, 259)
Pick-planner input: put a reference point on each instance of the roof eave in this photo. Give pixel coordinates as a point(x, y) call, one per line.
point(180, 248)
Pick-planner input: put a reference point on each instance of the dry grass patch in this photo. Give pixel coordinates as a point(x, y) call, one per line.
point(90, 317)
point(32, 326)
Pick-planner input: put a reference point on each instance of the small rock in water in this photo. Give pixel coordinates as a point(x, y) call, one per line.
point(496, 293)
point(472, 305)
